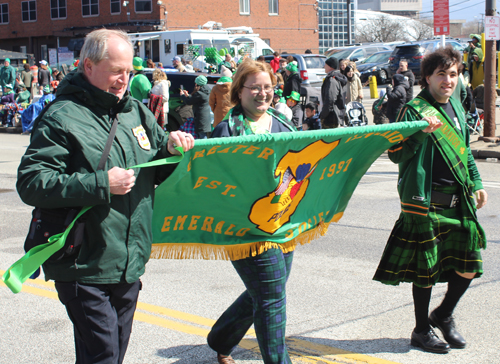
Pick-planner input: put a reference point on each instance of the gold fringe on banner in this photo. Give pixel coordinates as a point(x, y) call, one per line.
point(235, 252)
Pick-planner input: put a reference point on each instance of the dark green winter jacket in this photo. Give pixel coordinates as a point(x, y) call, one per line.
point(201, 109)
point(7, 76)
point(59, 169)
point(415, 156)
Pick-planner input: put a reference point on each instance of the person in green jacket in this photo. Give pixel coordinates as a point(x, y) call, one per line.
point(199, 99)
point(99, 285)
point(437, 237)
point(7, 74)
point(140, 85)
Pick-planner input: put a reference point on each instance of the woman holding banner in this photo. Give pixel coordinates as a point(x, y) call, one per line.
point(264, 274)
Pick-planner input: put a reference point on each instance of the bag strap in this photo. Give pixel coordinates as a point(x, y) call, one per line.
point(109, 143)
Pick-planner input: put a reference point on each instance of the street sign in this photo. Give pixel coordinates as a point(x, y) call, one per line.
point(441, 17)
point(492, 28)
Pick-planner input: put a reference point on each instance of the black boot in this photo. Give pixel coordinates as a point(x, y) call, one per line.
point(429, 341)
point(447, 327)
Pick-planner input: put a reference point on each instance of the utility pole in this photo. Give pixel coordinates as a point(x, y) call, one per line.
point(490, 93)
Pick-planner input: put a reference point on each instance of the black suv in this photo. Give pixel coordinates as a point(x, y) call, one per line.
point(415, 52)
point(177, 110)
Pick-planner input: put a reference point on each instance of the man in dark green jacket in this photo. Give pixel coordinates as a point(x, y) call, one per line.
point(99, 286)
point(7, 74)
point(437, 237)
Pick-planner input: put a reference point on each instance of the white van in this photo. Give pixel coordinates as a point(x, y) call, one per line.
point(242, 38)
point(163, 46)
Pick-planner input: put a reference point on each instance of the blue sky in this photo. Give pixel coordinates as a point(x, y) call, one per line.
point(459, 9)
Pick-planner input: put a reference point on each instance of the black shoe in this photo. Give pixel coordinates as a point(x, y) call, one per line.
point(429, 342)
point(447, 327)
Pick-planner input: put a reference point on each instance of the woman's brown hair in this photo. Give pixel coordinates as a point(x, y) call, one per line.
point(246, 68)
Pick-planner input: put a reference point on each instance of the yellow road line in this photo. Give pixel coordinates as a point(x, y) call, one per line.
point(301, 351)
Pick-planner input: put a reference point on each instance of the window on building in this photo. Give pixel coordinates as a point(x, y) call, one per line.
point(273, 7)
point(28, 10)
point(58, 9)
point(4, 13)
point(115, 7)
point(90, 7)
point(244, 6)
point(143, 6)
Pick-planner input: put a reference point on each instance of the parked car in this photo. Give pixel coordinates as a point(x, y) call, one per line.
point(358, 53)
point(415, 52)
point(311, 67)
point(178, 111)
point(375, 65)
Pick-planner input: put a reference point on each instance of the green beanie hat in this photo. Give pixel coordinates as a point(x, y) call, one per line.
point(7, 60)
point(292, 67)
point(46, 89)
point(137, 63)
point(294, 96)
point(201, 80)
point(225, 80)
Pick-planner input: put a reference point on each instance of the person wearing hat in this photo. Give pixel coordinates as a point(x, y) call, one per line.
point(140, 85)
point(7, 74)
point(474, 42)
point(47, 97)
point(74, 65)
point(23, 95)
point(293, 102)
point(279, 103)
point(476, 68)
point(220, 99)
point(177, 63)
point(201, 107)
point(8, 94)
point(293, 80)
point(331, 95)
point(43, 76)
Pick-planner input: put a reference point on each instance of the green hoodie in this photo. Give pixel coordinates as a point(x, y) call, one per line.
point(59, 169)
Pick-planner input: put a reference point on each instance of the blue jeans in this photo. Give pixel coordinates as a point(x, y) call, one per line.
point(262, 304)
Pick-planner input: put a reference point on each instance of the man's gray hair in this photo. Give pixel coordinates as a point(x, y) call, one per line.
point(95, 47)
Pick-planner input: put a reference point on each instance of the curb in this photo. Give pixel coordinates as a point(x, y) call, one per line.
point(12, 130)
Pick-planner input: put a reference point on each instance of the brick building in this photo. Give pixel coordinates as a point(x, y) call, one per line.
point(36, 26)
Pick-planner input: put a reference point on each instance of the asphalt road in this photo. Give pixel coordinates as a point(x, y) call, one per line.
point(336, 313)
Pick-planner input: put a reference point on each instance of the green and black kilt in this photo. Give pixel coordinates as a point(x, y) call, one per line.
point(423, 249)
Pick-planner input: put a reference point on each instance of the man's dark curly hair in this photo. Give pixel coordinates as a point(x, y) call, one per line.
point(441, 58)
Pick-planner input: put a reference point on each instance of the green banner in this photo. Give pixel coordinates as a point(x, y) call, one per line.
point(229, 194)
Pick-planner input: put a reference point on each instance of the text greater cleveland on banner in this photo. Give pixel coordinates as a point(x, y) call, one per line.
point(228, 195)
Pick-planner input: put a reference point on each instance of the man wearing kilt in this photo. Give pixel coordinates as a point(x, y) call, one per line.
point(437, 237)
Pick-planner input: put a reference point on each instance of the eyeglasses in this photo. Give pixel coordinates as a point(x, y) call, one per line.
point(258, 89)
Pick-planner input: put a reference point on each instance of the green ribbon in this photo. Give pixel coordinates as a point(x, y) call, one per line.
point(451, 144)
point(21, 270)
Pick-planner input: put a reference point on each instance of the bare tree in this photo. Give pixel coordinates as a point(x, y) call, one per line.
point(418, 30)
point(473, 27)
point(379, 29)
point(386, 29)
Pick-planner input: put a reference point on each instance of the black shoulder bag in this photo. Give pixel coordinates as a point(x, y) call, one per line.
point(48, 222)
